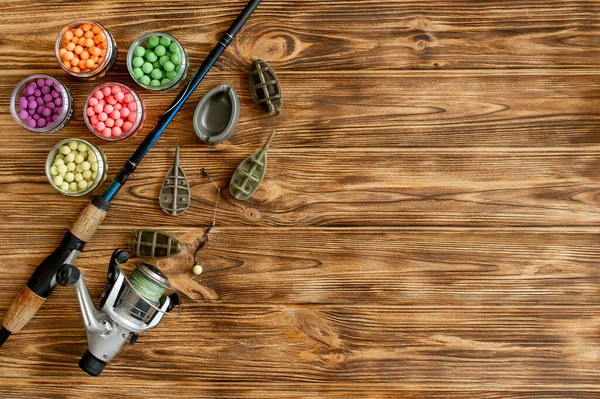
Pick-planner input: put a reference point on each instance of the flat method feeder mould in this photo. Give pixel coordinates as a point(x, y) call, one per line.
point(217, 115)
point(175, 191)
point(250, 173)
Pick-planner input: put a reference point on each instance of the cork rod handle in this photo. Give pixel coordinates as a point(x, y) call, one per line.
point(22, 309)
point(88, 222)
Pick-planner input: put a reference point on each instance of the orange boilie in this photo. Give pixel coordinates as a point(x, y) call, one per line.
point(83, 48)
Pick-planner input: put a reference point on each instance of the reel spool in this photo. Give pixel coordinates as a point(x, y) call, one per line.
point(128, 306)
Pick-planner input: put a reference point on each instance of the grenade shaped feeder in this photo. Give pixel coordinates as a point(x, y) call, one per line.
point(250, 173)
point(154, 244)
point(264, 87)
point(175, 192)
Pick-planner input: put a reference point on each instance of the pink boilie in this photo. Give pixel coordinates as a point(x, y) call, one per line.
point(112, 111)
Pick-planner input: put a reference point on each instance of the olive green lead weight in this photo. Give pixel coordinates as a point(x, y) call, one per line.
point(250, 173)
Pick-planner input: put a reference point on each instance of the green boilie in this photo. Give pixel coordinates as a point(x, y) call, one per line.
point(156, 62)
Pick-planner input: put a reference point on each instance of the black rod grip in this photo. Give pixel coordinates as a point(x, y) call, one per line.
point(38, 288)
point(4, 334)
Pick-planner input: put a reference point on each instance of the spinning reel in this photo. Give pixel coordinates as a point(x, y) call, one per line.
point(128, 306)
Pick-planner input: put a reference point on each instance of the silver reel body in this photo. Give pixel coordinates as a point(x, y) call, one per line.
point(123, 313)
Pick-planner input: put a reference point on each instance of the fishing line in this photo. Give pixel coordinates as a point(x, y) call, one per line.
point(197, 265)
point(145, 286)
point(218, 196)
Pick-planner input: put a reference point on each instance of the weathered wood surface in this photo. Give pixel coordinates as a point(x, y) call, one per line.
point(428, 226)
point(390, 267)
point(399, 109)
point(337, 34)
point(332, 187)
point(331, 346)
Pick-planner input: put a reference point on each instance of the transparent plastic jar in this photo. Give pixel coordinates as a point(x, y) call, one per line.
point(103, 65)
point(181, 67)
point(91, 149)
point(136, 123)
point(62, 99)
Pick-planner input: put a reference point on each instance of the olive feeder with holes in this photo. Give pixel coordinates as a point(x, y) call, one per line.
point(175, 192)
point(154, 244)
point(265, 88)
point(250, 173)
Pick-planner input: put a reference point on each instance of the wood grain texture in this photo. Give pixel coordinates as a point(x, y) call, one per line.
point(414, 348)
point(339, 35)
point(427, 228)
point(328, 187)
point(390, 267)
point(515, 109)
point(212, 390)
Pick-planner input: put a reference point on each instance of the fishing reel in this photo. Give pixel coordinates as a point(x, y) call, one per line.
point(128, 306)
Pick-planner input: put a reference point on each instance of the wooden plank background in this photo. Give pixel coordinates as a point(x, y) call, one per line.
point(427, 227)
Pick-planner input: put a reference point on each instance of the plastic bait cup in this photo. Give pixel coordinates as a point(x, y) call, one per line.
point(100, 174)
point(136, 122)
point(107, 48)
point(39, 97)
point(179, 72)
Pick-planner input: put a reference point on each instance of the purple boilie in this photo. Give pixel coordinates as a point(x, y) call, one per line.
point(41, 103)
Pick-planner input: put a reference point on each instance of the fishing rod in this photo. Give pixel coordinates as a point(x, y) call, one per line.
point(43, 280)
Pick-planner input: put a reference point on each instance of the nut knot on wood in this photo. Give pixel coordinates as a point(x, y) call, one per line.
point(251, 214)
point(422, 41)
point(274, 45)
point(268, 191)
point(313, 325)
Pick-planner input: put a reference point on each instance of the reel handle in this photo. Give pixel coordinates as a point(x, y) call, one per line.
point(68, 275)
point(175, 300)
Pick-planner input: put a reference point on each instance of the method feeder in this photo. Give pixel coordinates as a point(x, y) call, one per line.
point(42, 282)
point(128, 306)
point(175, 192)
